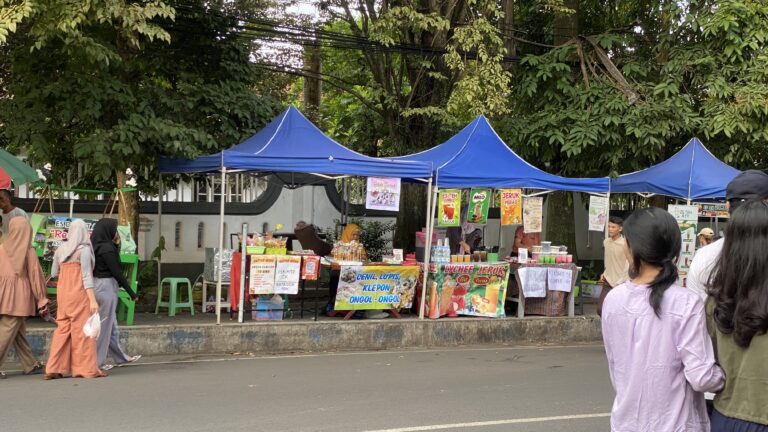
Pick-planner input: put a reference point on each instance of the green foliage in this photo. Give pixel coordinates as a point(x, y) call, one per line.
point(650, 76)
point(376, 236)
point(114, 84)
point(402, 100)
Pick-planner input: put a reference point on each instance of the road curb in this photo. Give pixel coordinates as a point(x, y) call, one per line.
point(360, 335)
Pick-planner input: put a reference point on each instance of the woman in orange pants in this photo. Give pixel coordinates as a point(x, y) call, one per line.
point(71, 350)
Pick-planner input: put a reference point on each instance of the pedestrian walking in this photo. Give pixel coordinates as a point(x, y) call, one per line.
point(22, 293)
point(737, 320)
point(71, 350)
point(660, 357)
point(750, 184)
point(616, 264)
point(9, 211)
point(107, 279)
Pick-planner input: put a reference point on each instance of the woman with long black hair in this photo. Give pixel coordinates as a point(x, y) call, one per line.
point(660, 356)
point(737, 319)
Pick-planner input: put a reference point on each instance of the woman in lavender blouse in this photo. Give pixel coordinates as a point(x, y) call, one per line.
point(660, 356)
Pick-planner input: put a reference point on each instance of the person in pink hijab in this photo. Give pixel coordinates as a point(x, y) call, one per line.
point(22, 293)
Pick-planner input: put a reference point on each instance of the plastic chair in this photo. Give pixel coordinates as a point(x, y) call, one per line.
point(174, 301)
point(126, 307)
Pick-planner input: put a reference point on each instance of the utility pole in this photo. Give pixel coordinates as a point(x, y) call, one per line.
point(312, 87)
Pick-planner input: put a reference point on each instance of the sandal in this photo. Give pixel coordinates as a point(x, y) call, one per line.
point(107, 367)
point(52, 376)
point(36, 369)
point(2, 375)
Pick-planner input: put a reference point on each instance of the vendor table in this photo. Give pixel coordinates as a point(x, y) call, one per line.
point(234, 288)
point(475, 289)
point(554, 302)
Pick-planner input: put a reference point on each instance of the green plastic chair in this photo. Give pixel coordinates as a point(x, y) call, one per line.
point(174, 302)
point(125, 306)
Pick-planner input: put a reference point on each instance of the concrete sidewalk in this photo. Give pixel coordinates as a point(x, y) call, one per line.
point(163, 335)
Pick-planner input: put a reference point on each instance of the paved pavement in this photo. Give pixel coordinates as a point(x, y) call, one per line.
point(489, 389)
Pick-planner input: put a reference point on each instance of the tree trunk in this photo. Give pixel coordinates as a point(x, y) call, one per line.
point(567, 25)
point(412, 215)
point(128, 209)
point(312, 83)
point(560, 220)
point(508, 28)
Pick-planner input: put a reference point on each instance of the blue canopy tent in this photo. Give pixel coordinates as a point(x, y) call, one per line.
point(291, 144)
point(693, 173)
point(478, 157)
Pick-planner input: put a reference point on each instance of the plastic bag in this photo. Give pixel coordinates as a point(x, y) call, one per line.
point(127, 243)
point(92, 327)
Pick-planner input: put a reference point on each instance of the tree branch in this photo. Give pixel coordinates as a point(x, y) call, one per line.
point(324, 78)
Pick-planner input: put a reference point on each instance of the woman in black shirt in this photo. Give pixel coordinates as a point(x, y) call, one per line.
point(107, 275)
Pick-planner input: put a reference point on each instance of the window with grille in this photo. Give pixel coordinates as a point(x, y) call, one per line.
point(177, 236)
point(200, 235)
point(240, 188)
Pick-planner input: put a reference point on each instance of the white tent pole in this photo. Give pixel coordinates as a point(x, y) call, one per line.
point(221, 244)
point(428, 249)
point(243, 254)
point(160, 192)
point(608, 214)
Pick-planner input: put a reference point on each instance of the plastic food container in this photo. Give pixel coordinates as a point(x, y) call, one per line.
point(546, 247)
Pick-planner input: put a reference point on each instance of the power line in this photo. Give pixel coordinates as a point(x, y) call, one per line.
point(275, 31)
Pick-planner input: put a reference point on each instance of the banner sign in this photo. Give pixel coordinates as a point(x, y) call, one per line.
point(262, 275)
point(310, 267)
point(532, 214)
point(476, 289)
point(449, 208)
point(383, 193)
point(687, 217)
point(376, 287)
point(287, 274)
point(511, 206)
point(598, 212)
point(479, 201)
point(55, 233)
point(717, 210)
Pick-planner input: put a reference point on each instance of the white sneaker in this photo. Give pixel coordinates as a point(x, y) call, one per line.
point(107, 367)
point(130, 360)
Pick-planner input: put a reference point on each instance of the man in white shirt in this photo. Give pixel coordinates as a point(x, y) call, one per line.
point(9, 210)
point(751, 184)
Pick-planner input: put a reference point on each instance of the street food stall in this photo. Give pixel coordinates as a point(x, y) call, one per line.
point(290, 143)
point(479, 159)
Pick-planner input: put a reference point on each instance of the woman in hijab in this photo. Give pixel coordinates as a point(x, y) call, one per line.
point(71, 350)
point(107, 275)
point(22, 293)
point(352, 232)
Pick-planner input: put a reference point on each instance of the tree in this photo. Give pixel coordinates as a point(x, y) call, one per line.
point(639, 81)
point(115, 84)
point(423, 68)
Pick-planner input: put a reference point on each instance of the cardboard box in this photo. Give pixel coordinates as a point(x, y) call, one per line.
point(267, 308)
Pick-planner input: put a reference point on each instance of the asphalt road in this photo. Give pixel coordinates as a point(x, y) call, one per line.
point(492, 389)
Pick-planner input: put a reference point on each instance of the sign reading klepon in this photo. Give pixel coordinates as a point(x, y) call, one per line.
point(376, 287)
